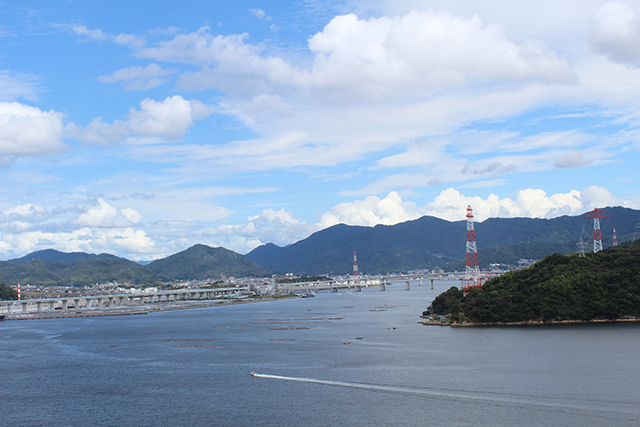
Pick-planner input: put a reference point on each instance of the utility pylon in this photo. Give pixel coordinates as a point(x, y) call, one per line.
point(355, 264)
point(597, 236)
point(472, 271)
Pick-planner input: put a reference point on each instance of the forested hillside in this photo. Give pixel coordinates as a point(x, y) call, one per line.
point(201, 262)
point(605, 285)
point(7, 293)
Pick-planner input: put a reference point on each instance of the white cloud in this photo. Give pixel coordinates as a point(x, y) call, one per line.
point(371, 211)
point(168, 120)
point(106, 216)
point(410, 55)
point(201, 48)
point(24, 213)
point(276, 226)
point(260, 14)
point(98, 228)
point(530, 203)
point(615, 32)
point(139, 78)
point(126, 242)
point(359, 60)
point(82, 30)
point(571, 159)
point(28, 131)
point(129, 40)
point(14, 86)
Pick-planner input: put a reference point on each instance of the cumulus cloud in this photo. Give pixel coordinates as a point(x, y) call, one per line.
point(125, 242)
point(26, 213)
point(423, 51)
point(359, 60)
point(531, 203)
point(276, 226)
point(168, 120)
point(103, 215)
point(615, 33)
point(138, 78)
point(97, 228)
point(371, 211)
point(28, 131)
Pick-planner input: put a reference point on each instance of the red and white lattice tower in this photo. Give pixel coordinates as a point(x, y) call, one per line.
point(615, 238)
point(355, 264)
point(472, 271)
point(19, 295)
point(596, 214)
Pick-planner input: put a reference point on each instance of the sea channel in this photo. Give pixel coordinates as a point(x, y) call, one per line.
point(338, 359)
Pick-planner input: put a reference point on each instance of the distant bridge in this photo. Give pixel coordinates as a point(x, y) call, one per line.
point(88, 302)
point(357, 282)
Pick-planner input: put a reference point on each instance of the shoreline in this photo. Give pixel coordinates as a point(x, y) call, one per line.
point(131, 310)
point(535, 323)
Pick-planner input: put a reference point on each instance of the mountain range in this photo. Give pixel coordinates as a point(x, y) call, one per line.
point(424, 243)
point(430, 242)
point(51, 267)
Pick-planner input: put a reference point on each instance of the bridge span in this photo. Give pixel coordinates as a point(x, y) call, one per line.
point(90, 302)
point(357, 282)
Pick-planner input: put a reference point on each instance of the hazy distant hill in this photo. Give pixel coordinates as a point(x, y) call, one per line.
point(80, 273)
point(430, 242)
point(51, 267)
point(202, 262)
point(51, 255)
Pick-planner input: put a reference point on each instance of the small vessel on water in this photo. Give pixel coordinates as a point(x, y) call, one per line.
point(253, 373)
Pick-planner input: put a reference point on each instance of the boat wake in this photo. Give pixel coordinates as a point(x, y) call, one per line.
point(444, 393)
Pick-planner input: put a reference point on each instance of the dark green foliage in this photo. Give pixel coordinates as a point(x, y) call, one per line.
point(430, 242)
point(51, 255)
point(605, 285)
point(7, 293)
point(202, 262)
point(447, 302)
point(87, 272)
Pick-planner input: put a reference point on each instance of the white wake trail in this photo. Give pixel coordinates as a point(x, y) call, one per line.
point(439, 393)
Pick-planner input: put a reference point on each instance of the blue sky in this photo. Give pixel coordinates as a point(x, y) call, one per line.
point(142, 128)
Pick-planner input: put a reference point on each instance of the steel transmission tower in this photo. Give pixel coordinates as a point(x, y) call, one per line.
point(597, 237)
point(355, 264)
point(615, 238)
point(472, 271)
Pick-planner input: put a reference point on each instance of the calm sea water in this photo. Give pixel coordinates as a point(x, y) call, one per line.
point(347, 359)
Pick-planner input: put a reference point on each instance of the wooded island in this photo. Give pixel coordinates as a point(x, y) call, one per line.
point(600, 286)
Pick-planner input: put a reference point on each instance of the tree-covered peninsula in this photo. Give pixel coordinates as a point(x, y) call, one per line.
point(7, 293)
point(604, 285)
